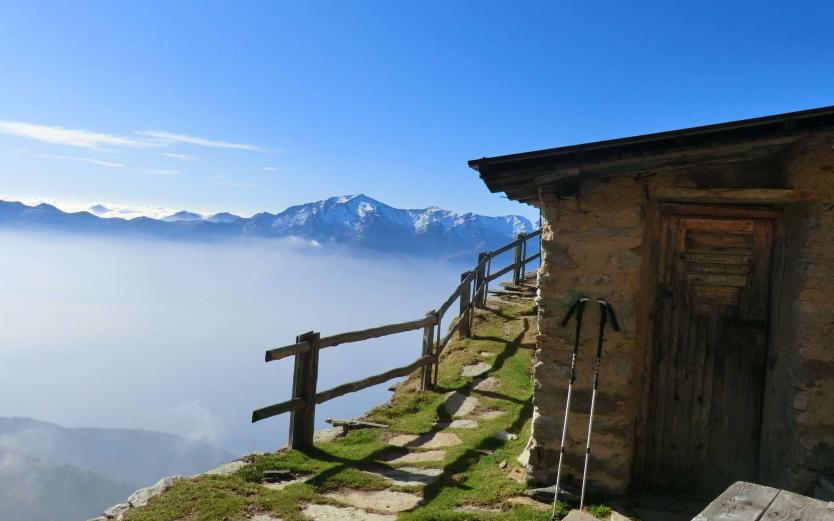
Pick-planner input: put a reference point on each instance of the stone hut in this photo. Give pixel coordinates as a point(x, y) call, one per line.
point(715, 246)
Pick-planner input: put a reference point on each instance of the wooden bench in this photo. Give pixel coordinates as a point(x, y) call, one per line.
point(744, 501)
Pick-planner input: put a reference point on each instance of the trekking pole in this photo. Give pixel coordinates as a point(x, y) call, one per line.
point(576, 308)
point(605, 311)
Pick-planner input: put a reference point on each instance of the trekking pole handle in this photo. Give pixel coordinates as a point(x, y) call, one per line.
point(610, 313)
point(580, 302)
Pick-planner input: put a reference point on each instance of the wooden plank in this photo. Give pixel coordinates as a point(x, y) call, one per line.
point(375, 332)
point(358, 385)
point(507, 247)
point(427, 351)
point(503, 272)
point(743, 226)
point(465, 281)
point(465, 299)
point(278, 408)
point(691, 210)
point(355, 424)
point(742, 501)
point(282, 352)
point(717, 258)
point(792, 507)
point(750, 196)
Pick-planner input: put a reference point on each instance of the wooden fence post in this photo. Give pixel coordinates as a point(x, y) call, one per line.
point(305, 377)
point(428, 349)
point(463, 315)
point(517, 258)
point(480, 278)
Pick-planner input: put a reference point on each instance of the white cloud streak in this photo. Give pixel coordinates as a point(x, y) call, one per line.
point(170, 137)
point(156, 171)
point(181, 157)
point(269, 168)
point(97, 162)
point(69, 137)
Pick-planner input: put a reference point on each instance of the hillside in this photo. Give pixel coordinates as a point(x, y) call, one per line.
point(56, 473)
point(445, 455)
point(349, 221)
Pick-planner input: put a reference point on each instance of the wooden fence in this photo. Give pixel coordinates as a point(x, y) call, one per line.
point(471, 293)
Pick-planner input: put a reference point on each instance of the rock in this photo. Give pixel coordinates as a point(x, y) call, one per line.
point(518, 474)
point(485, 354)
point(546, 494)
point(140, 497)
point(616, 516)
point(528, 502)
point(419, 457)
point(489, 384)
point(457, 424)
point(475, 369)
point(504, 436)
point(503, 464)
point(578, 515)
point(458, 404)
point(328, 434)
point(404, 476)
point(490, 415)
point(426, 441)
point(264, 517)
point(387, 501)
point(116, 511)
point(226, 469)
point(334, 513)
point(99, 518)
point(280, 485)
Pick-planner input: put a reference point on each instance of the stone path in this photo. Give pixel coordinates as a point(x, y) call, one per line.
point(408, 468)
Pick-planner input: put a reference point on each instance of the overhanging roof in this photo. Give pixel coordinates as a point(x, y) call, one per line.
point(521, 175)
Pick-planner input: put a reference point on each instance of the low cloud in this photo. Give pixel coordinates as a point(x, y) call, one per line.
point(170, 137)
point(97, 162)
point(70, 137)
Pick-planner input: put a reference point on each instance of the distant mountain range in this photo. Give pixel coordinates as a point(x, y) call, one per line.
point(356, 221)
point(51, 472)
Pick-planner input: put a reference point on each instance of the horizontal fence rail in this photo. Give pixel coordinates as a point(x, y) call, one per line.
point(471, 294)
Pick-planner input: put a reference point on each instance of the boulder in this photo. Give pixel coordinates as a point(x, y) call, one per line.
point(141, 497)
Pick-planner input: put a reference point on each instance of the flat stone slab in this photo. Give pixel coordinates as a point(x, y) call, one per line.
point(420, 457)
point(457, 424)
point(281, 485)
point(532, 503)
point(334, 513)
point(489, 415)
point(328, 434)
point(488, 384)
point(458, 404)
point(265, 517)
point(387, 501)
point(425, 441)
point(475, 369)
point(404, 476)
point(578, 515)
point(485, 354)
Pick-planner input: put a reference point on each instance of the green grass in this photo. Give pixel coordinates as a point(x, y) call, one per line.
point(599, 511)
point(470, 477)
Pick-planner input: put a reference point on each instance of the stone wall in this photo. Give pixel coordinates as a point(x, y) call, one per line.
point(593, 246)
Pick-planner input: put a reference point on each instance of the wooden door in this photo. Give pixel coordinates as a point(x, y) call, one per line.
point(703, 410)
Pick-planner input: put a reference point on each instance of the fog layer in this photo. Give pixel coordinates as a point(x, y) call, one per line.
point(170, 336)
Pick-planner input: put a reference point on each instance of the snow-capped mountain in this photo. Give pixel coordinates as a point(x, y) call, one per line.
point(356, 220)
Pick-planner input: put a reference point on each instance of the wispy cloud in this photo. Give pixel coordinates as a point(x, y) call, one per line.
point(156, 171)
point(170, 137)
point(69, 137)
point(181, 157)
point(269, 168)
point(97, 162)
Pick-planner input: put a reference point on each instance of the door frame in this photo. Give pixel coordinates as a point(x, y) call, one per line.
point(648, 307)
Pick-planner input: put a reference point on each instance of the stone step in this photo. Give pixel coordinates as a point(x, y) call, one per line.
point(384, 501)
point(489, 384)
point(334, 513)
point(475, 369)
point(418, 457)
point(458, 404)
point(425, 441)
point(457, 424)
point(404, 476)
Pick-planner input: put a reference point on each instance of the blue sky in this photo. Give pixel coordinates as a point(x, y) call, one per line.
point(250, 106)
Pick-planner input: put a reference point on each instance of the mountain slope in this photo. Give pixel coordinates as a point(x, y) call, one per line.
point(354, 221)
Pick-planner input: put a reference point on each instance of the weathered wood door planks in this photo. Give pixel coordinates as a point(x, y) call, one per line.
point(703, 415)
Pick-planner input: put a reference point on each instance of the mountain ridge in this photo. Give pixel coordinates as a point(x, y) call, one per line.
point(352, 220)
